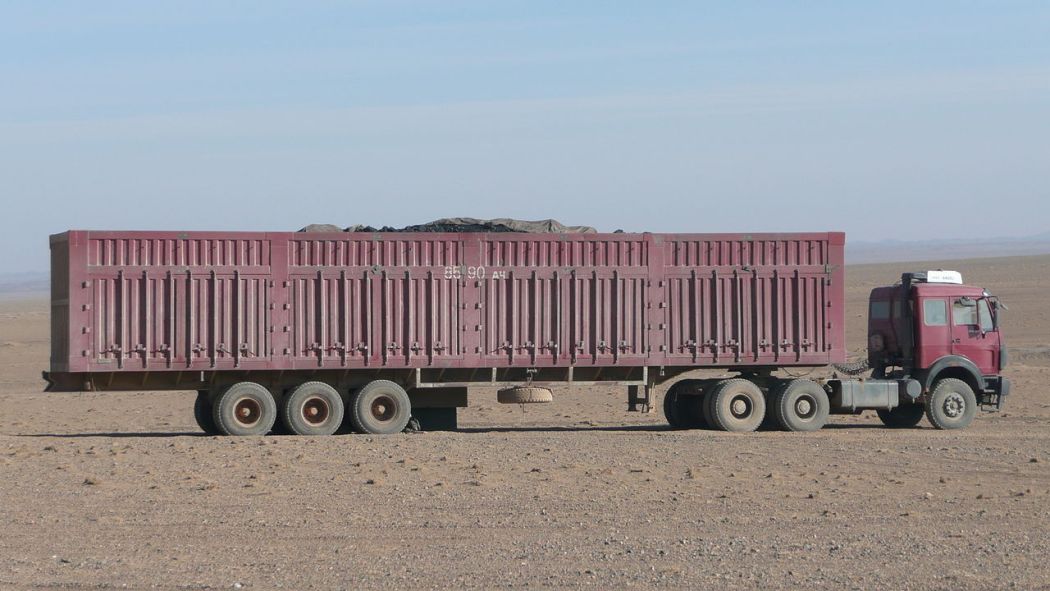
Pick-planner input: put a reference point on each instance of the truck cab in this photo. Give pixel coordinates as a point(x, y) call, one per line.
point(931, 327)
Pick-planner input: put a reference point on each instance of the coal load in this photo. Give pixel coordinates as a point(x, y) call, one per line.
point(548, 226)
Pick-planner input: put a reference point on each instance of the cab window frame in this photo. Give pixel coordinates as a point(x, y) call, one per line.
point(942, 312)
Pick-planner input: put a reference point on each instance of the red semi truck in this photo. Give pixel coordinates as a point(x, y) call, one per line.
point(304, 332)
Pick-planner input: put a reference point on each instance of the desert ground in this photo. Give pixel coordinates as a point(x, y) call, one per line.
point(121, 490)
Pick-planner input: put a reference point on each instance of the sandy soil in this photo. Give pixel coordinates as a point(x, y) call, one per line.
point(120, 490)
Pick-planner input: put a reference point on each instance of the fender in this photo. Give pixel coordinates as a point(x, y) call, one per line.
point(928, 375)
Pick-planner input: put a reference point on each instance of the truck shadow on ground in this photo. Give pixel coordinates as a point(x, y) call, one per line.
point(118, 435)
point(471, 429)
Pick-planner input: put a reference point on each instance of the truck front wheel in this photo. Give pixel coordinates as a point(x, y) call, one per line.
point(904, 416)
point(951, 405)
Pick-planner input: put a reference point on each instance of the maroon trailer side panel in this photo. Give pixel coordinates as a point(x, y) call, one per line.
point(214, 301)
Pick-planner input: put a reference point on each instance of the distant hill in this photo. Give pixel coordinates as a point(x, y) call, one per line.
point(24, 283)
point(889, 251)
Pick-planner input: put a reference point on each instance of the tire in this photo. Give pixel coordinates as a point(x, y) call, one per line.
point(705, 403)
point(202, 413)
point(380, 408)
point(313, 408)
point(670, 406)
point(800, 405)
point(524, 395)
point(245, 408)
point(904, 416)
point(736, 405)
point(683, 405)
point(769, 422)
point(951, 405)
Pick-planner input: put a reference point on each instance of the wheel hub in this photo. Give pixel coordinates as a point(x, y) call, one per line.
point(315, 411)
point(383, 408)
point(954, 405)
point(247, 411)
point(804, 407)
point(740, 407)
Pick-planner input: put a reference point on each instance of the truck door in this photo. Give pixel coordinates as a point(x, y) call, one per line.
point(973, 336)
point(933, 333)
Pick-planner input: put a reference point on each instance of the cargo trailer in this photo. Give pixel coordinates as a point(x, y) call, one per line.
point(382, 330)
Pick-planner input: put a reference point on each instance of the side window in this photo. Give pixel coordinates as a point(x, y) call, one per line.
point(934, 313)
point(880, 310)
point(985, 315)
point(964, 315)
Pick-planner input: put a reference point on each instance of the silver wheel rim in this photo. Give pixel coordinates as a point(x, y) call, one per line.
point(740, 407)
point(805, 407)
point(954, 405)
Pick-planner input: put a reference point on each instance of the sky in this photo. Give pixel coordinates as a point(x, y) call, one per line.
point(888, 120)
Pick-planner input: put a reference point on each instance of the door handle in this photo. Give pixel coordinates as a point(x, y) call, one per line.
point(956, 341)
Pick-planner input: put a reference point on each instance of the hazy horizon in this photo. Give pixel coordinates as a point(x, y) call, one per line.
point(887, 121)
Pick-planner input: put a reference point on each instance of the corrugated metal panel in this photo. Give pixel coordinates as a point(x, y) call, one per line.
point(179, 321)
point(760, 316)
point(183, 252)
point(367, 318)
point(563, 251)
point(157, 301)
point(702, 252)
point(368, 252)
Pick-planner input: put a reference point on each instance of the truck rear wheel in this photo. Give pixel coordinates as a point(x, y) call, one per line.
point(683, 405)
point(313, 408)
point(245, 408)
point(202, 412)
point(380, 408)
point(800, 405)
point(951, 405)
point(904, 416)
point(670, 406)
point(736, 405)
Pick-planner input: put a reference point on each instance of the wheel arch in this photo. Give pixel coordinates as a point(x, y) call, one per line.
point(952, 366)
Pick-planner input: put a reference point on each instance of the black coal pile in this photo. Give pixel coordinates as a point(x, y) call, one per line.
point(548, 226)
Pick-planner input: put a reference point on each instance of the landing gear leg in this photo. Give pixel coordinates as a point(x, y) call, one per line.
point(640, 399)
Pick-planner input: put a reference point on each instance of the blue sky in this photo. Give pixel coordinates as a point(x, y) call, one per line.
point(903, 120)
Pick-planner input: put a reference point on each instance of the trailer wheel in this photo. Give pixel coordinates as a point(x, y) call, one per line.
point(951, 405)
point(800, 405)
point(904, 416)
point(705, 404)
point(690, 399)
point(684, 405)
point(380, 408)
point(313, 408)
point(245, 408)
point(670, 406)
point(736, 405)
point(202, 413)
